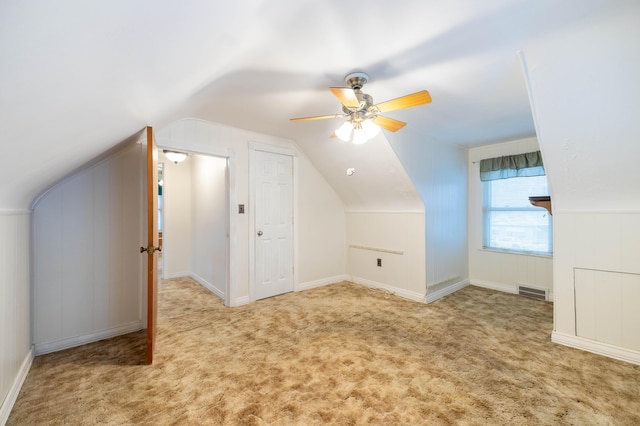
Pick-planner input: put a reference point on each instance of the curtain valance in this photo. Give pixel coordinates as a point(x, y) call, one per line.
point(529, 164)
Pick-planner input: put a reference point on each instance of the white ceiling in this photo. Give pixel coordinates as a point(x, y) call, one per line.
point(78, 77)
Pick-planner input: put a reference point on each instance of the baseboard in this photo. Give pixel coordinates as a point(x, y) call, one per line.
point(325, 281)
point(177, 275)
point(244, 300)
point(206, 284)
point(611, 351)
point(439, 291)
point(418, 297)
point(58, 345)
point(507, 288)
point(12, 395)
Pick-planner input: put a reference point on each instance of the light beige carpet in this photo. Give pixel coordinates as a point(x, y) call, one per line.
point(340, 354)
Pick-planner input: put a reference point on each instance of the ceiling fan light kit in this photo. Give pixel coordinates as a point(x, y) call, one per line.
point(345, 131)
point(370, 128)
point(363, 117)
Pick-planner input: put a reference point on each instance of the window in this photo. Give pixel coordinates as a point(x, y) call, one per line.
point(510, 221)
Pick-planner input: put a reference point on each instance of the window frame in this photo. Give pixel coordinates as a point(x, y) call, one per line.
point(486, 188)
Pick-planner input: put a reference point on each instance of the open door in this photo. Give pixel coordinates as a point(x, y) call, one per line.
point(152, 242)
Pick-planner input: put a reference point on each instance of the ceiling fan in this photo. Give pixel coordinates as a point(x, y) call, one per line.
point(364, 120)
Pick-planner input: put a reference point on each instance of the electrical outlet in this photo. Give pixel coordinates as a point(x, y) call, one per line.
point(379, 262)
point(241, 208)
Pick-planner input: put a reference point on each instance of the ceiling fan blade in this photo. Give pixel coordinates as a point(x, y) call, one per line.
point(408, 101)
point(389, 123)
point(317, 117)
point(347, 96)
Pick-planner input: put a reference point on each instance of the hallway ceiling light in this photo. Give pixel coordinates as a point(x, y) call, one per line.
point(175, 156)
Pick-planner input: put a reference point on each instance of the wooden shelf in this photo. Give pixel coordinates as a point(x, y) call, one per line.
point(542, 201)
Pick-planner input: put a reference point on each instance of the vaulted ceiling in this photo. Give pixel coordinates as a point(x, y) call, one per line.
point(78, 77)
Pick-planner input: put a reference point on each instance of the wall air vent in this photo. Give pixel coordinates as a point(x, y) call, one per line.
point(534, 293)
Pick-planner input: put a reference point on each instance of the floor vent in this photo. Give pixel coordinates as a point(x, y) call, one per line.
point(534, 293)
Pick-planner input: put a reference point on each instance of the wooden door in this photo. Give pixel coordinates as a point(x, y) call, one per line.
point(274, 224)
point(152, 242)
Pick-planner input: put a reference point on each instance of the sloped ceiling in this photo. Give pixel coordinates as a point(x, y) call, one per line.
point(78, 77)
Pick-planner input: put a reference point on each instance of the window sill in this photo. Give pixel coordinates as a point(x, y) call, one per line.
point(521, 253)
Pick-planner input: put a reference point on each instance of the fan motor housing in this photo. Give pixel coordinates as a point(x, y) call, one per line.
point(356, 80)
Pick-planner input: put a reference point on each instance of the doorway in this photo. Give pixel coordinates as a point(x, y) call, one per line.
point(195, 221)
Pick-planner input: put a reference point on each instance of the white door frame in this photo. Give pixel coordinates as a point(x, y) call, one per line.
point(273, 149)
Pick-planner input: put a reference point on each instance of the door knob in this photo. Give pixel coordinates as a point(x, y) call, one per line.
point(259, 233)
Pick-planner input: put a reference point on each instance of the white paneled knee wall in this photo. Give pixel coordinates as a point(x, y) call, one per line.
point(597, 282)
point(87, 266)
point(15, 312)
point(607, 307)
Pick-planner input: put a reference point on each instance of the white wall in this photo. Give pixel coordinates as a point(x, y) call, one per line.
point(209, 222)
point(492, 269)
point(585, 97)
point(439, 173)
point(15, 306)
point(322, 226)
point(213, 139)
point(397, 238)
point(87, 268)
point(381, 182)
point(176, 233)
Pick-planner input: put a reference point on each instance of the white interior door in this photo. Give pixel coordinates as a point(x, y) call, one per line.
point(274, 224)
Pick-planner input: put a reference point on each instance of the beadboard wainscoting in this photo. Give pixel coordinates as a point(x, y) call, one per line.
point(387, 250)
point(15, 306)
point(88, 271)
point(597, 282)
point(607, 307)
